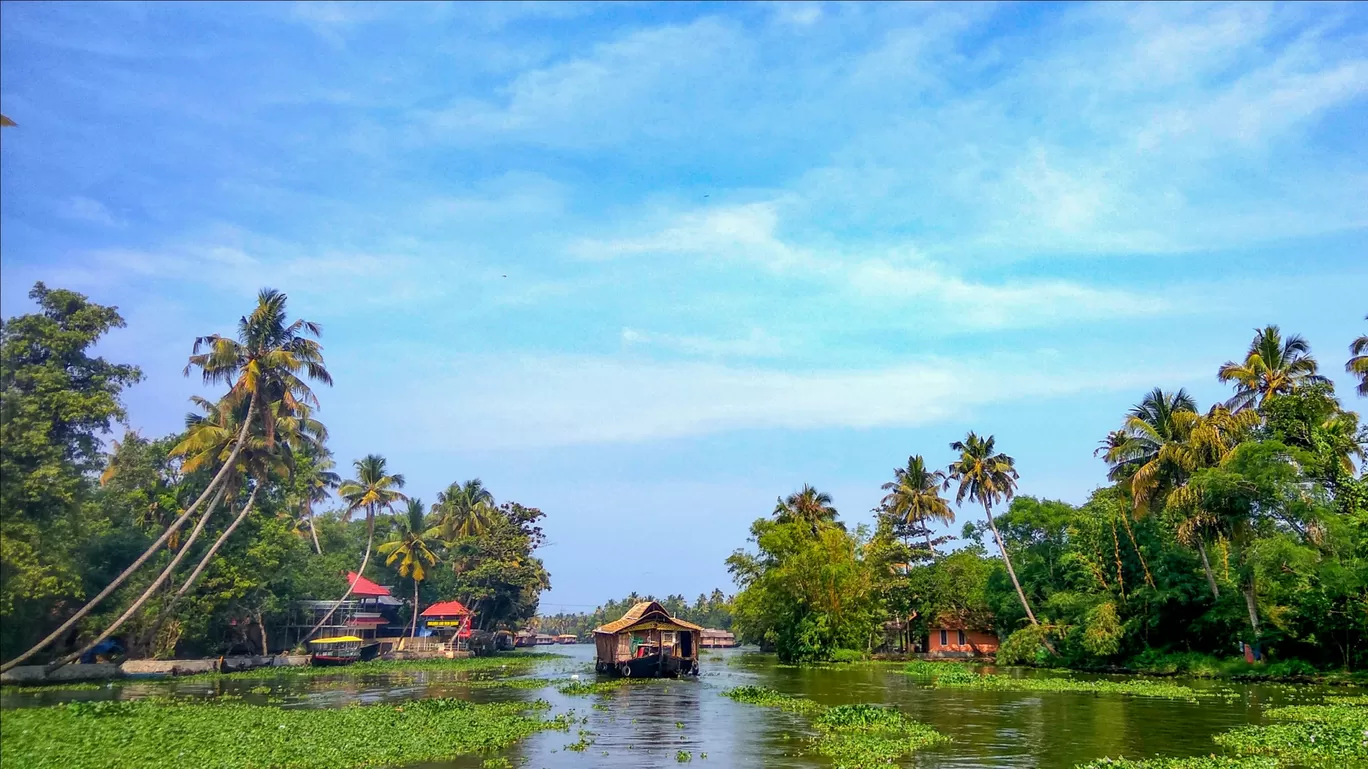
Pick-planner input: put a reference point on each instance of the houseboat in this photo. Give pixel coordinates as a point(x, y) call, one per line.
point(718, 639)
point(647, 642)
point(567, 638)
point(342, 650)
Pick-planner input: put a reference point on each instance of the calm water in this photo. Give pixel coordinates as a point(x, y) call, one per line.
point(639, 726)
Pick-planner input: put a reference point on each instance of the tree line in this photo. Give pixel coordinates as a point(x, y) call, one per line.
point(710, 611)
point(179, 544)
point(1244, 524)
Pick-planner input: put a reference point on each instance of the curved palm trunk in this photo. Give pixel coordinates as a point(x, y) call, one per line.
point(1253, 617)
point(370, 538)
point(228, 532)
point(1206, 567)
point(146, 594)
point(413, 632)
point(313, 530)
point(217, 482)
point(1011, 572)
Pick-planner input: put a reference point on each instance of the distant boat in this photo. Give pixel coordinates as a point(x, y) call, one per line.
point(567, 638)
point(718, 639)
point(647, 642)
point(343, 650)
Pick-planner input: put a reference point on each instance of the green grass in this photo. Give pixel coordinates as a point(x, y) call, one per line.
point(950, 676)
point(157, 734)
point(852, 736)
point(584, 688)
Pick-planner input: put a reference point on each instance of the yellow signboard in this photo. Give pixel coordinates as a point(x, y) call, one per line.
point(444, 622)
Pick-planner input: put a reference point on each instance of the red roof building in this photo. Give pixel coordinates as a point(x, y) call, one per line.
point(364, 587)
point(445, 609)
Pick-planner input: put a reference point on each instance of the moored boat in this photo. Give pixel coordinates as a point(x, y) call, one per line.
point(647, 642)
point(343, 650)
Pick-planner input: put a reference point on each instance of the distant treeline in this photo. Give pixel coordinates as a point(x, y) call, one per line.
point(711, 611)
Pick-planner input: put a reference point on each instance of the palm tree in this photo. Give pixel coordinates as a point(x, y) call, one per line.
point(263, 365)
point(914, 495)
point(807, 506)
point(412, 545)
point(372, 490)
point(464, 509)
point(1272, 366)
point(1359, 363)
point(987, 477)
point(318, 482)
point(1134, 454)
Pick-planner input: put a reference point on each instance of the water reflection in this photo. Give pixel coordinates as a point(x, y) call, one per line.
point(647, 725)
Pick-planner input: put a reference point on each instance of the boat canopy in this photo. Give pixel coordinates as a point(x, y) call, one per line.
point(338, 640)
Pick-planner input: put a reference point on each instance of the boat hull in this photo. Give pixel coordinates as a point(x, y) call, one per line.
point(650, 667)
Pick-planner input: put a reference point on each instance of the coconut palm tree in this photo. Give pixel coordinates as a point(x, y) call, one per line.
point(373, 490)
point(807, 506)
point(1358, 364)
point(412, 545)
point(269, 361)
point(987, 477)
point(464, 509)
point(318, 481)
point(1272, 366)
point(1153, 423)
point(914, 495)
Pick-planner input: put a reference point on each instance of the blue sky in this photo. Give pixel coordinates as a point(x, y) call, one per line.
point(649, 266)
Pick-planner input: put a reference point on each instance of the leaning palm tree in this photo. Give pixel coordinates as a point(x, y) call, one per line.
point(987, 477)
point(464, 509)
point(269, 361)
point(1358, 364)
point(318, 481)
point(209, 437)
point(807, 506)
point(914, 495)
point(373, 490)
point(412, 545)
point(1156, 421)
point(1272, 366)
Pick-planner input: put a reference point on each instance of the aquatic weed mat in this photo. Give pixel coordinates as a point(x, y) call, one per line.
point(173, 734)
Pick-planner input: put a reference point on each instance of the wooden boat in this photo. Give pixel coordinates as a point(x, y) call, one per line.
point(647, 642)
point(343, 650)
point(567, 638)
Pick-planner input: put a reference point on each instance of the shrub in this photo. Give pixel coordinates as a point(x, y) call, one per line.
point(1024, 647)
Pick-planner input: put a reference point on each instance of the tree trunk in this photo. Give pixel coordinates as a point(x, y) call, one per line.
point(413, 633)
point(1206, 567)
point(930, 546)
point(313, 530)
point(261, 626)
point(1253, 617)
point(370, 537)
point(228, 532)
point(1011, 572)
point(142, 559)
point(146, 594)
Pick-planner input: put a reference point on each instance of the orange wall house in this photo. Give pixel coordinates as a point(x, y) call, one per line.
point(959, 642)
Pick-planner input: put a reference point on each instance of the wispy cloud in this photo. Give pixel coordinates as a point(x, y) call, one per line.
point(755, 343)
point(88, 210)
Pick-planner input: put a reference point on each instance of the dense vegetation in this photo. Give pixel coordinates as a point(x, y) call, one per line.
point(200, 541)
point(712, 611)
point(1242, 523)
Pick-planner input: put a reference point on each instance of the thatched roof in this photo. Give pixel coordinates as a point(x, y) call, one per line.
point(649, 612)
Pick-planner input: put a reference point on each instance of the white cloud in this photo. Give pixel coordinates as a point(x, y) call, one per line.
point(756, 343)
point(565, 400)
point(88, 210)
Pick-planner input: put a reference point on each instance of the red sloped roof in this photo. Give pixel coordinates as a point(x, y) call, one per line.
point(364, 586)
point(445, 609)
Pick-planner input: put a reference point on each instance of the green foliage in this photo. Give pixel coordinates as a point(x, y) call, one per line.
point(1023, 647)
point(710, 611)
point(238, 736)
point(963, 679)
point(1196, 762)
point(1326, 735)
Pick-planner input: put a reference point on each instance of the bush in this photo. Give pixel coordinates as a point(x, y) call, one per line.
point(847, 655)
point(1024, 647)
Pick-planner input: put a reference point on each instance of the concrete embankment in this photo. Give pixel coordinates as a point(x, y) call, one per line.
point(103, 671)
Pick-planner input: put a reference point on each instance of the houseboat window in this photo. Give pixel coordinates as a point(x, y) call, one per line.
point(667, 637)
point(961, 637)
point(945, 637)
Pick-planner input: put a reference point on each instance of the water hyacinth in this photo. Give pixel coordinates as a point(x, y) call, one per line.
point(170, 734)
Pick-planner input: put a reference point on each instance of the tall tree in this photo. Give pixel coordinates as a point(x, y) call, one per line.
point(1272, 365)
point(808, 506)
point(412, 545)
point(464, 509)
point(56, 400)
point(373, 490)
point(987, 477)
point(914, 495)
point(316, 481)
point(1358, 362)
